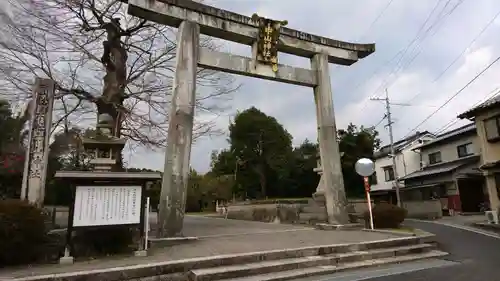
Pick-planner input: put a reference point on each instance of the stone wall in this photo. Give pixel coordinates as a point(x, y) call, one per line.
point(284, 213)
point(429, 209)
point(358, 206)
point(288, 212)
point(426, 209)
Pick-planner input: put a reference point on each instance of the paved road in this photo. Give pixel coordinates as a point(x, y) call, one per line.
point(473, 257)
point(478, 256)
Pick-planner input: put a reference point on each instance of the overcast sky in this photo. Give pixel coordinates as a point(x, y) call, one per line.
point(416, 41)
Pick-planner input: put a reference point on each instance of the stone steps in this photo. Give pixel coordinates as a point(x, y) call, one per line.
point(329, 269)
point(297, 267)
point(265, 265)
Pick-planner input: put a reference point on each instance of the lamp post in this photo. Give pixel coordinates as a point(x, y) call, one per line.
point(365, 168)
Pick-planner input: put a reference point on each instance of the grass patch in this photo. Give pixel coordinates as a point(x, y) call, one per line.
point(404, 229)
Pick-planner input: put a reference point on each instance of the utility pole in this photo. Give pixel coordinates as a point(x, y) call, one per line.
point(391, 139)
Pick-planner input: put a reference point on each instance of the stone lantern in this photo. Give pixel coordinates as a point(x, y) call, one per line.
point(104, 147)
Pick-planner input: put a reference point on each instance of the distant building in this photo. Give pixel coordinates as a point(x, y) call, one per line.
point(486, 118)
point(449, 171)
point(407, 161)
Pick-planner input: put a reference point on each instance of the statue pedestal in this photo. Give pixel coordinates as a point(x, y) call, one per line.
point(66, 259)
point(315, 211)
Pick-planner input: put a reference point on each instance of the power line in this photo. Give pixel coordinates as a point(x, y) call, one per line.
point(376, 71)
point(448, 67)
point(381, 13)
point(401, 52)
point(372, 24)
point(461, 53)
point(454, 95)
point(379, 122)
point(437, 24)
point(400, 66)
point(490, 95)
point(452, 122)
point(392, 103)
point(405, 49)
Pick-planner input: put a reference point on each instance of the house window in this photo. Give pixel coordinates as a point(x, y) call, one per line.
point(492, 128)
point(373, 179)
point(465, 150)
point(497, 184)
point(435, 157)
point(389, 173)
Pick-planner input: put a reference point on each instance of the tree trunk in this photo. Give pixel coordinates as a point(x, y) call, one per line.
point(111, 102)
point(262, 181)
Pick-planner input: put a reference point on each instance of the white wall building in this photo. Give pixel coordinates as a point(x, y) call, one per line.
point(407, 160)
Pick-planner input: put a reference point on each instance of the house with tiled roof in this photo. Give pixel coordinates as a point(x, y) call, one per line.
point(449, 172)
point(486, 117)
point(407, 161)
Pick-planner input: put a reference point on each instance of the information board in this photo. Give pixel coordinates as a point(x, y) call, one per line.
point(107, 205)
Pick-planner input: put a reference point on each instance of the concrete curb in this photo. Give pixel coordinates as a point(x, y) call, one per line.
point(275, 267)
point(423, 236)
point(488, 226)
point(164, 242)
point(179, 266)
point(467, 228)
point(394, 232)
point(330, 269)
point(351, 226)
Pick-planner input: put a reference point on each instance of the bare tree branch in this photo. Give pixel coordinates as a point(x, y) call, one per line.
point(63, 40)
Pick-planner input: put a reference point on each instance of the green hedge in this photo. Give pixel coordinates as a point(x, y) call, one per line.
point(23, 233)
point(24, 237)
point(386, 215)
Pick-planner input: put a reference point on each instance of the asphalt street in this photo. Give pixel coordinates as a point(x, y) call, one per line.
point(477, 255)
point(473, 257)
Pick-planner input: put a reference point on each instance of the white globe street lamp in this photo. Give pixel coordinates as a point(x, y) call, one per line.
point(365, 168)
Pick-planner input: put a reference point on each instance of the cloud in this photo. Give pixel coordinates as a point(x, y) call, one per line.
point(409, 78)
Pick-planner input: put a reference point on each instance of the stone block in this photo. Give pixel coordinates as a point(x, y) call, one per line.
point(314, 209)
point(66, 260)
point(141, 253)
point(312, 218)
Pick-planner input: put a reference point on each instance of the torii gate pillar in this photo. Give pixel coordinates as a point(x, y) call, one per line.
point(267, 38)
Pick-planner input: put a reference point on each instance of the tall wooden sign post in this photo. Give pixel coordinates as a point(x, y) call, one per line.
point(267, 37)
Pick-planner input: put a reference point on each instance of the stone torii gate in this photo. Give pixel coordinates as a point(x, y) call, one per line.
point(267, 38)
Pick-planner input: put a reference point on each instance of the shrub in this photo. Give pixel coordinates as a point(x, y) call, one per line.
point(288, 213)
point(23, 232)
point(386, 215)
point(108, 240)
point(264, 214)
